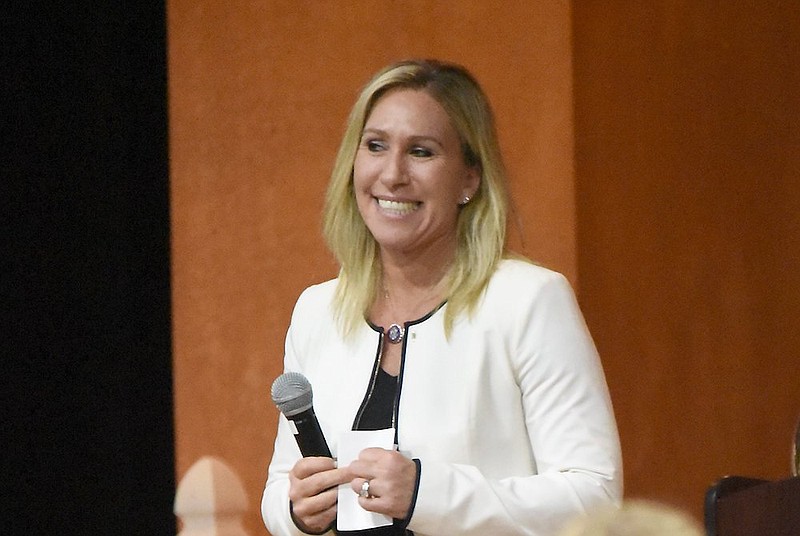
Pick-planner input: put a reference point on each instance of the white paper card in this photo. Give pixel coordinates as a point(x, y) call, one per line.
point(350, 515)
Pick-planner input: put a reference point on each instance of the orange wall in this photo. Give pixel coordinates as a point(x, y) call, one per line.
point(259, 93)
point(678, 210)
point(688, 176)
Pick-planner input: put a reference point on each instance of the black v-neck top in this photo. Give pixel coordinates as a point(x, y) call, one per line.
point(378, 412)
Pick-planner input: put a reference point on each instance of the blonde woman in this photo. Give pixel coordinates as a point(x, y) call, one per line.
point(479, 365)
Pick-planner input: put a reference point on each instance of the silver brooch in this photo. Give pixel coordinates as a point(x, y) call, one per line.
point(395, 334)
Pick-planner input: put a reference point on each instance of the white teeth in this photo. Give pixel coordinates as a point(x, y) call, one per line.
point(397, 206)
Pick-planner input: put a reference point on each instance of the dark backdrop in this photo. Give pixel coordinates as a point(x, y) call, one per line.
point(87, 387)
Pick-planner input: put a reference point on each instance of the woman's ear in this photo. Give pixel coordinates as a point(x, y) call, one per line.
point(471, 184)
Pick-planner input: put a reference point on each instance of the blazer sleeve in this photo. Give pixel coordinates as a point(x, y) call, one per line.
point(275, 501)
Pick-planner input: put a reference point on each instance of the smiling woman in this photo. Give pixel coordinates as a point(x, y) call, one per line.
point(410, 179)
point(446, 90)
point(478, 365)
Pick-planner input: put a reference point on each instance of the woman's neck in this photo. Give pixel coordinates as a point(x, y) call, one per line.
point(411, 287)
point(411, 274)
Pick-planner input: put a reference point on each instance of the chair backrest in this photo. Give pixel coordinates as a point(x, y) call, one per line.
point(740, 506)
point(796, 451)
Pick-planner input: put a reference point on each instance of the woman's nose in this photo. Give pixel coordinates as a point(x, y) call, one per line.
point(394, 171)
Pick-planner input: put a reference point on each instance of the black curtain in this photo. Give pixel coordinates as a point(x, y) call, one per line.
point(87, 386)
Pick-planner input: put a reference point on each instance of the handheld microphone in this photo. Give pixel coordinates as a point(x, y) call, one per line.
point(291, 392)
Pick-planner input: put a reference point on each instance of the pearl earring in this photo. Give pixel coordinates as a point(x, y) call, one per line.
point(465, 200)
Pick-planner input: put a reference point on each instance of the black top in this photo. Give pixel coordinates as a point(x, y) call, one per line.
point(378, 412)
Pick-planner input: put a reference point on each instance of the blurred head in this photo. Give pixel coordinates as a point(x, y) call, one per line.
point(480, 224)
point(634, 518)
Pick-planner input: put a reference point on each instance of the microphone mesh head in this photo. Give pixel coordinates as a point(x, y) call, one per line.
point(291, 392)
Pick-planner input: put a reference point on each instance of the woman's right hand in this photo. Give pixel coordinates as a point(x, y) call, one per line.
point(313, 484)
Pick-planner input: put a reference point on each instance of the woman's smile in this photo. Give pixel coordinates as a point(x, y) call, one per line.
point(399, 208)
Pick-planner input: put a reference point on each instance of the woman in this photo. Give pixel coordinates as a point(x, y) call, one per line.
point(482, 365)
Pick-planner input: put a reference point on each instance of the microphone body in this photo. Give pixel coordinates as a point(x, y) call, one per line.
point(291, 392)
point(308, 435)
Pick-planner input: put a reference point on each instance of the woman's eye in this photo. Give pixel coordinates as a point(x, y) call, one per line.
point(421, 152)
point(373, 146)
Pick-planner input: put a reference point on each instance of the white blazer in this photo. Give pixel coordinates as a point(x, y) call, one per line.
point(510, 416)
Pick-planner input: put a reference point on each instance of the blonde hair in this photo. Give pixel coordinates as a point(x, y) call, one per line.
point(481, 225)
point(635, 518)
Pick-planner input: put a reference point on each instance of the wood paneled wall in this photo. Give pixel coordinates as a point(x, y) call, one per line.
point(259, 94)
point(688, 168)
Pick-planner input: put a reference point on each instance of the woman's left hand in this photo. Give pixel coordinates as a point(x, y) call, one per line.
point(392, 478)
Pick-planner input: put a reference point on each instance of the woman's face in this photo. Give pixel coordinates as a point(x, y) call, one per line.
point(409, 174)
